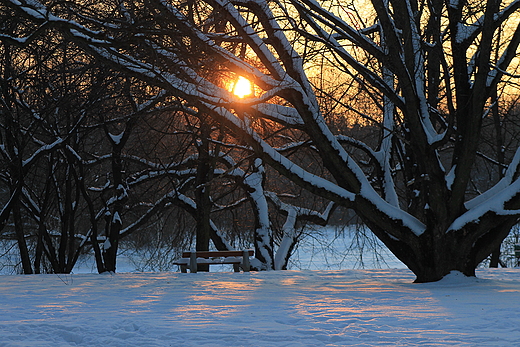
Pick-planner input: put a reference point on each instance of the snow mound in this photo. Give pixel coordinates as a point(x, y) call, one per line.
point(457, 278)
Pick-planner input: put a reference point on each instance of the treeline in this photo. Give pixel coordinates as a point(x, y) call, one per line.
point(117, 123)
point(91, 156)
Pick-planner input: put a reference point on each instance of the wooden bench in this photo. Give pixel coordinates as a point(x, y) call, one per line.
point(239, 259)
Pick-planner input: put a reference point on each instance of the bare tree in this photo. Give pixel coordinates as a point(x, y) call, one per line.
point(427, 67)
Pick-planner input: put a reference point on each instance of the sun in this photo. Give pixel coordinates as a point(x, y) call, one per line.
point(242, 87)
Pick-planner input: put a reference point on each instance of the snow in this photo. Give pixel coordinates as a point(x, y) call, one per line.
point(495, 204)
point(87, 38)
point(502, 185)
point(276, 308)
point(332, 306)
point(450, 177)
point(454, 3)
point(107, 244)
point(41, 150)
point(116, 138)
point(415, 225)
point(117, 218)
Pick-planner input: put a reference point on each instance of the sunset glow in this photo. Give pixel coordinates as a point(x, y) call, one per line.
point(242, 87)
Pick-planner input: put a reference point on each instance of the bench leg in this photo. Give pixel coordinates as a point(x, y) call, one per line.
point(193, 262)
point(184, 268)
point(236, 267)
point(245, 261)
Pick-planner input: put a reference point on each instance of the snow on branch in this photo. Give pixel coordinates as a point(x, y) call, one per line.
point(500, 69)
point(251, 37)
point(302, 213)
point(467, 33)
point(319, 185)
point(343, 30)
point(355, 36)
point(505, 183)
point(282, 114)
point(43, 149)
point(294, 214)
point(494, 203)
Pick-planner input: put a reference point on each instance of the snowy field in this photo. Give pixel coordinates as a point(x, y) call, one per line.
point(327, 299)
point(284, 308)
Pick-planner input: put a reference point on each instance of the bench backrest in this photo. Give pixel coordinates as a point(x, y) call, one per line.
point(214, 254)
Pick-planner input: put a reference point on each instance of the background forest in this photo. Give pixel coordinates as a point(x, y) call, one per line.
point(99, 151)
point(92, 157)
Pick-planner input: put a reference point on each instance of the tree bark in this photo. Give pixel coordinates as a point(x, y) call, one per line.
point(203, 193)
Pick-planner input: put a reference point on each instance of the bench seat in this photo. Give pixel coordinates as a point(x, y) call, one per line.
point(239, 259)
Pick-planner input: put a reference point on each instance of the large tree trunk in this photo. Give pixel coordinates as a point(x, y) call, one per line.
point(203, 193)
point(432, 258)
point(20, 237)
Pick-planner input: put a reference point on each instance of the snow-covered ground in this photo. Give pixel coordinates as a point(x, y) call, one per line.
point(328, 248)
point(284, 308)
point(327, 299)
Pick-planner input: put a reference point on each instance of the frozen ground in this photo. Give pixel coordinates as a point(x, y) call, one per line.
point(284, 308)
point(322, 303)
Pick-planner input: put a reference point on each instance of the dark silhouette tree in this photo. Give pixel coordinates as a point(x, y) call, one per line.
point(427, 67)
